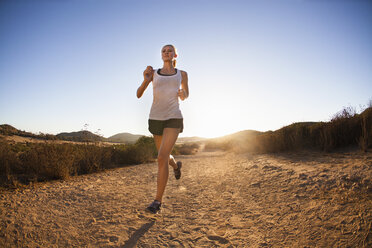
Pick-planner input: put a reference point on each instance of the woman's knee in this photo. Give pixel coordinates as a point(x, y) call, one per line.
point(163, 158)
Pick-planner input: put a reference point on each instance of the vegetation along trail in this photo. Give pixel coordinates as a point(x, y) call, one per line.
point(306, 199)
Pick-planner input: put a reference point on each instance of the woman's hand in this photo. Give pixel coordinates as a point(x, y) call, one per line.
point(147, 78)
point(182, 94)
point(148, 74)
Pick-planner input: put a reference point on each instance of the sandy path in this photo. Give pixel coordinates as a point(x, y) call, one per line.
point(222, 200)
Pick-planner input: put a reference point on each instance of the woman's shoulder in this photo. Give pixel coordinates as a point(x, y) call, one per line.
point(184, 73)
point(156, 71)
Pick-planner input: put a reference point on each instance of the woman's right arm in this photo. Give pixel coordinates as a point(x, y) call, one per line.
point(147, 78)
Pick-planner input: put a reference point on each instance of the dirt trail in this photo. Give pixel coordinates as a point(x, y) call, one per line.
point(222, 200)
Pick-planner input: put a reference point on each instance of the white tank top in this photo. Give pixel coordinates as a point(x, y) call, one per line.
point(165, 104)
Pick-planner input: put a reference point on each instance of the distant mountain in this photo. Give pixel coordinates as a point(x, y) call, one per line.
point(238, 136)
point(243, 135)
point(8, 130)
point(81, 136)
point(127, 138)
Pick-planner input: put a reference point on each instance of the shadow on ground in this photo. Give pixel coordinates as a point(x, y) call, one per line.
point(138, 234)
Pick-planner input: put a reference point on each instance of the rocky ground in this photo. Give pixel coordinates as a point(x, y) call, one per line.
point(306, 199)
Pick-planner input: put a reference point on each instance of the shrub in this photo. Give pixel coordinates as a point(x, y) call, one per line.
point(346, 128)
point(146, 148)
point(187, 148)
point(365, 140)
point(92, 158)
point(142, 151)
point(48, 161)
point(9, 163)
point(218, 145)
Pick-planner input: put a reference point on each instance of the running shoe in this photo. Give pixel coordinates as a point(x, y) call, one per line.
point(154, 207)
point(177, 172)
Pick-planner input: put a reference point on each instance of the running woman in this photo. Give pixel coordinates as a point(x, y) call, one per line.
point(165, 119)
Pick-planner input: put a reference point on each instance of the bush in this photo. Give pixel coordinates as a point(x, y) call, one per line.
point(29, 162)
point(218, 145)
point(8, 163)
point(92, 158)
point(187, 148)
point(48, 161)
point(345, 129)
point(142, 151)
point(146, 148)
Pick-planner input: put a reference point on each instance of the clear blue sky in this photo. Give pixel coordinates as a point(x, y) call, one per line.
point(252, 64)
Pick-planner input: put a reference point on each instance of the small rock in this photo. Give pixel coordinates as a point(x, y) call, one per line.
point(256, 184)
point(302, 176)
point(113, 239)
point(220, 239)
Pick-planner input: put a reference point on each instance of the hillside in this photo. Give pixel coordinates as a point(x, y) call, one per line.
point(80, 136)
point(345, 129)
point(83, 136)
point(190, 139)
point(8, 130)
point(127, 138)
point(239, 136)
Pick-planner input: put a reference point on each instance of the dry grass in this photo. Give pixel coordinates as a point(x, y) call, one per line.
point(24, 163)
point(346, 129)
point(186, 149)
point(31, 162)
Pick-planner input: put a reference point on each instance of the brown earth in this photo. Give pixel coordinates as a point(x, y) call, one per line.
point(306, 199)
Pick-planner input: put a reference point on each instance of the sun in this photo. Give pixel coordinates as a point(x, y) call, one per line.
point(210, 127)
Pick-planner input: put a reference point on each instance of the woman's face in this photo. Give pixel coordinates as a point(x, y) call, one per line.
point(168, 53)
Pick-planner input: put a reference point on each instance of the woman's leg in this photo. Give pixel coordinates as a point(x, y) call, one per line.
point(172, 161)
point(169, 138)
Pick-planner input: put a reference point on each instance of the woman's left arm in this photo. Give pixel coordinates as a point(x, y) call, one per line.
point(183, 93)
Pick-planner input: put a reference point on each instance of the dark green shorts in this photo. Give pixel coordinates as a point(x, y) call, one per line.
point(156, 127)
